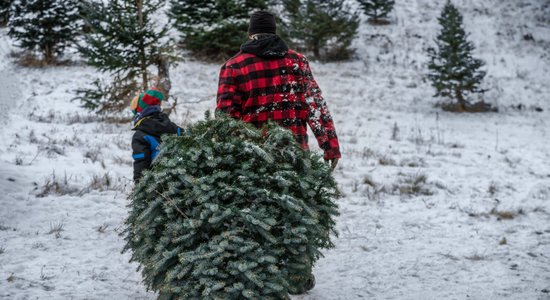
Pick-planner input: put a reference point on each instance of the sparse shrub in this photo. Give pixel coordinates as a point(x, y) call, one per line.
point(101, 276)
point(102, 228)
point(475, 257)
point(54, 186)
point(101, 183)
point(386, 161)
point(373, 193)
point(56, 229)
point(503, 214)
point(32, 137)
point(52, 150)
point(71, 141)
point(37, 245)
point(367, 153)
point(369, 181)
point(93, 154)
point(413, 162)
point(493, 188)
point(43, 275)
point(122, 161)
point(77, 118)
point(413, 185)
point(512, 162)
point(395, 132)
point(417, 137)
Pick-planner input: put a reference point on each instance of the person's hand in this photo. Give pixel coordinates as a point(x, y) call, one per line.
point(333, 162)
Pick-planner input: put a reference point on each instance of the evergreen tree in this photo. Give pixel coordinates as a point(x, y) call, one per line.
point(213, 28)
point(454, 72)
point(230, 212)
point(47, 26)
point(4, 11)
point(124, 41)
point(377, 9)
point(322, 28)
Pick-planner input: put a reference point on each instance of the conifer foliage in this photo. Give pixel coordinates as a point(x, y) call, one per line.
point(322, 28)
point(230, 212)
point(124, 41)
point(213, 28)
point(453, 71)
point(4, 11)
point(46, 26)
point(377, 10)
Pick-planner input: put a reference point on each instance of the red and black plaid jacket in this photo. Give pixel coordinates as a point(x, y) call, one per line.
point(256, 90)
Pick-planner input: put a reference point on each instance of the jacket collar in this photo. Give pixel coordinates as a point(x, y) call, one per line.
point(149, 110)
point(266, 46)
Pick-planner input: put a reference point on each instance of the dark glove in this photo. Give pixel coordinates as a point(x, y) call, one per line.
point(333, 162)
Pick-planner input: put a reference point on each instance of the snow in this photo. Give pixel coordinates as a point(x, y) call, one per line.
point(475, 225)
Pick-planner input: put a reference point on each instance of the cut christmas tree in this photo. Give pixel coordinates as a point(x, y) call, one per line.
point(231, 212)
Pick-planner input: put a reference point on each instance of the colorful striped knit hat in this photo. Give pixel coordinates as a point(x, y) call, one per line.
point(148, 98)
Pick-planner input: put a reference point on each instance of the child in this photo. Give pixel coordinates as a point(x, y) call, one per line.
point(149, 124)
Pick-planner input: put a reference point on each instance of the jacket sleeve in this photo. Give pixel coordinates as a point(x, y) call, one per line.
point(319, 118)
point(229, 98)
point(175, 129)
point(141, 153)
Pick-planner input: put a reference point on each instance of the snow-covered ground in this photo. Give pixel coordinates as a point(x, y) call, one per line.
point(436, 205)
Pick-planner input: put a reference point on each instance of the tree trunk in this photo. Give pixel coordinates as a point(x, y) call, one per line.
point(143, 67)
point(164, 83)
point(316, 50)
point(48, 54)
point(461, 100)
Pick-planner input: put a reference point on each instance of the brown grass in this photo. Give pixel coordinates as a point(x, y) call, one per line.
point(29, 60)
point(379, 22)
point(503, 214)
point(478, 107)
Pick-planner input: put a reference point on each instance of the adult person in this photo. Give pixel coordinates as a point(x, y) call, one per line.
point(266, 81)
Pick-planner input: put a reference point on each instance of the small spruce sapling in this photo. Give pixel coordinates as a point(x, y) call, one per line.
point(124, 40)
point(4, 12)
point(45, 26)
point(454, 72)
point(325, 29)
point(377, 10)
point(213, 29)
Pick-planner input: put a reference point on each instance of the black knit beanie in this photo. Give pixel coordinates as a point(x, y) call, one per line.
point(262, 22)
